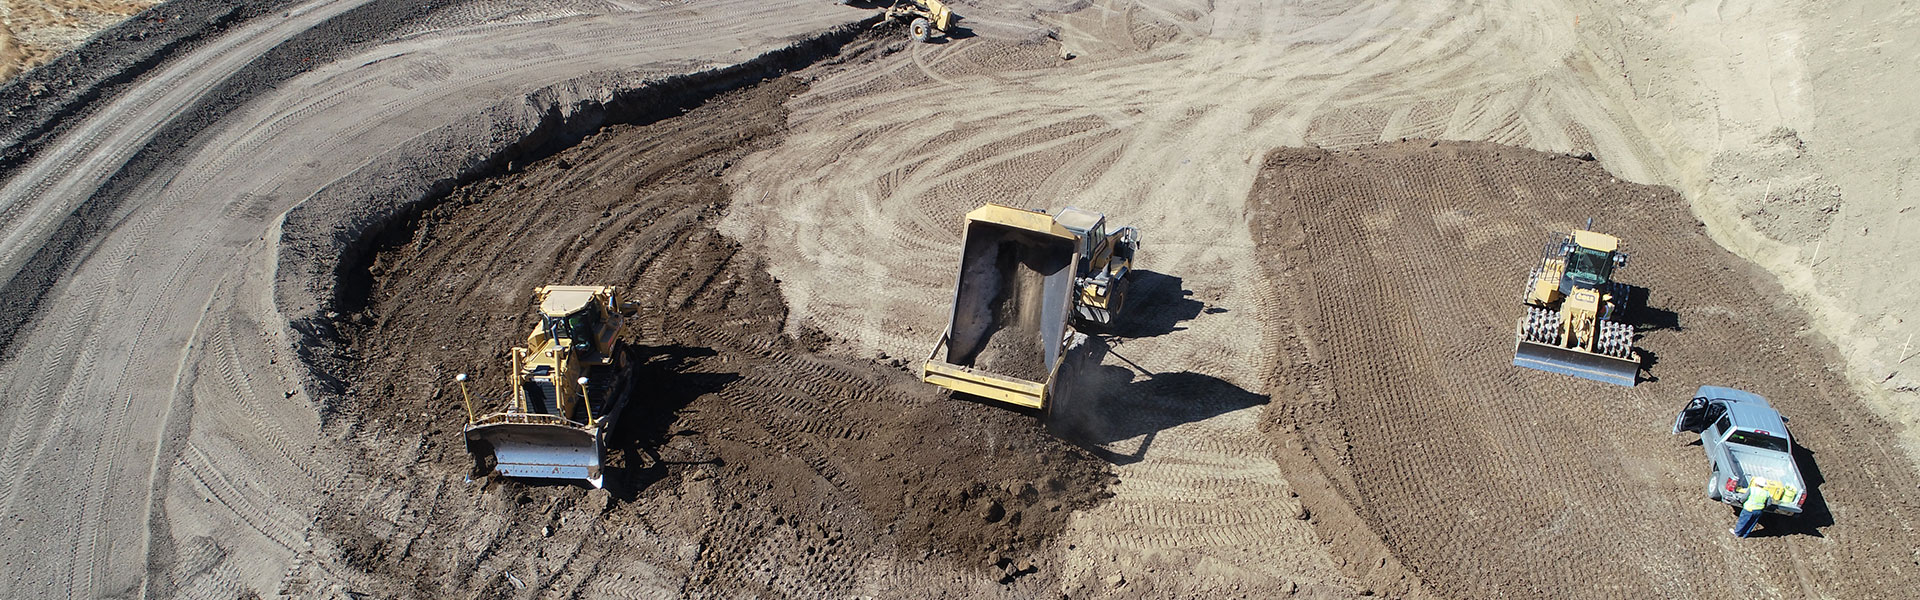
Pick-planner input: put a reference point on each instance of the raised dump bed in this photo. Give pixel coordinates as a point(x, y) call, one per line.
point(1008, 332)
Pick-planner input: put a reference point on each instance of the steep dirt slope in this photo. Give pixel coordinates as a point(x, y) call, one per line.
point(1405, 262)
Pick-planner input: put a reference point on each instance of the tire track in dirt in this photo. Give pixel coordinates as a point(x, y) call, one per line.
point(148, 274)
point(1409, 303)
point(750, 463)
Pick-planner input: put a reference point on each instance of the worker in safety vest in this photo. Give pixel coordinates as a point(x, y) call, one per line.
point(1759, 497)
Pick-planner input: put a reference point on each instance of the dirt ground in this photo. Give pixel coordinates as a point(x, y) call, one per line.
point(32, 32)
point(751, 462)
point(216, 412)
point(1404, 263)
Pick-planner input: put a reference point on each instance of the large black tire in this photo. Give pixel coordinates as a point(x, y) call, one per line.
point(1713, 487)
point(1117, 300)
point(921, 30)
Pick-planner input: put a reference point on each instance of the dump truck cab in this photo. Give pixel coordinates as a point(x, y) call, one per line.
point(1748, 446)
point(1106, 259)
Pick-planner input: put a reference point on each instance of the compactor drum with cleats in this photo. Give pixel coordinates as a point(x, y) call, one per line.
point(1024, 275)
point(1573, 306)
point(569, 386)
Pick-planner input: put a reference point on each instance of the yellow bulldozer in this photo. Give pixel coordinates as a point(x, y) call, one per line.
point(1025, 277)
point(1573, 306)
point(569, 386)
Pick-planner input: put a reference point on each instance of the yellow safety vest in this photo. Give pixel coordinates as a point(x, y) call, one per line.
point(1758, 498)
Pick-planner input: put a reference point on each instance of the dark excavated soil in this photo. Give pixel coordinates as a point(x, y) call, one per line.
point(751, 463)
point(1404, 263)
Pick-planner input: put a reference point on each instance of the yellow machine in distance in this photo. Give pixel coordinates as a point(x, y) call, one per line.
point(925, 17)
point(569, 386)
point(1024, 275)
point(1573, 305)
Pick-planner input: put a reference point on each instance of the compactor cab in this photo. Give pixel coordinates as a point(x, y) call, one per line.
point(569, 386)
point(1573, 307)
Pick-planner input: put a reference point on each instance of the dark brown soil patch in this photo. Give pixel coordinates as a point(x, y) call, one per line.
point(1405, 263)
point(750, 464)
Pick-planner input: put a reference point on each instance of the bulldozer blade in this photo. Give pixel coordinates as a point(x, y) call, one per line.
point(538, 450)
point(1578, 363)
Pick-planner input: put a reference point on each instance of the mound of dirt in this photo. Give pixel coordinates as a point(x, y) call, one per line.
point(1405, 263)
point(751, 462)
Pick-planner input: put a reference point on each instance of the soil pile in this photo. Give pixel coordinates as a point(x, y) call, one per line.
point(1014, 345)
point(751, 462)
point(1406, 262)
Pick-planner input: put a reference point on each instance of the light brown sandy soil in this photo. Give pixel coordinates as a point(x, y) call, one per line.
point(1161, 119)
point(32, 32)
point(1402, 265)
point(1785, 125)
point(169, 443)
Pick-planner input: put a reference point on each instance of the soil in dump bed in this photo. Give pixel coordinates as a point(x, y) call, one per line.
point(749, 464)
point(1405, 264)
point(1013, 346)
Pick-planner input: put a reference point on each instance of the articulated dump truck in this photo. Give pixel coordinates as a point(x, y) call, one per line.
point(569, 386)
point(1024, 275)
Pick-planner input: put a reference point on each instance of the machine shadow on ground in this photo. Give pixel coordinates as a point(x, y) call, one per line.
point(1103, 404)
point(1157, 305)
point(659, 388)
point(1644, 318)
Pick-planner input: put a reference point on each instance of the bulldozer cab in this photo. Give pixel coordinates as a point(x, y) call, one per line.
point(573, 319)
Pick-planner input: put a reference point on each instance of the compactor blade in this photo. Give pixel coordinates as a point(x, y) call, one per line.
point(539, 450)
point(1576, 362)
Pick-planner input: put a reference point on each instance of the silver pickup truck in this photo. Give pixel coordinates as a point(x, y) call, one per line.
point(1743, 438)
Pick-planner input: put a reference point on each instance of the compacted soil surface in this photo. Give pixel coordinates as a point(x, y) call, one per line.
point(1402, 265)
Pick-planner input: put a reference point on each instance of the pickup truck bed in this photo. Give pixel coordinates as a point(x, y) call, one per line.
point(1744, 439)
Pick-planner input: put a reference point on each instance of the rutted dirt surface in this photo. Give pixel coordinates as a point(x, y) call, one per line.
point(1405, 262)
point(174, 443)
point(750, 462)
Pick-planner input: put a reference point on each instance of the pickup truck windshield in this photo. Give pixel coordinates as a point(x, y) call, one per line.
point(1758, 440)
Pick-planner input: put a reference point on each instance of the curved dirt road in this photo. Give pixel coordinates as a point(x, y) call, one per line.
point(166, 446)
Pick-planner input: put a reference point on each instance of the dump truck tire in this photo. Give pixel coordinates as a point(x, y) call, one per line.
point(921, 29)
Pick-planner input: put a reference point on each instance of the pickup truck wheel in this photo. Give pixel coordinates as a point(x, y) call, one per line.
point(1713, 487)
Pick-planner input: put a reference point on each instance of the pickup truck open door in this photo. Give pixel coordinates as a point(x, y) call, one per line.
point(1697, 415)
